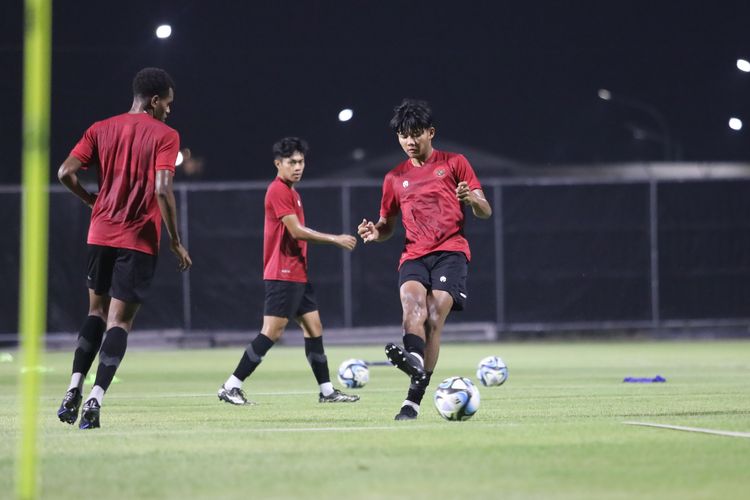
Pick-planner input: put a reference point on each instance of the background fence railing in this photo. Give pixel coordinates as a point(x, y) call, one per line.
point(557, 254)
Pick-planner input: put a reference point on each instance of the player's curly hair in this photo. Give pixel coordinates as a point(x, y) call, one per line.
point(411, 117)
point(287, 146)
point(149, 82)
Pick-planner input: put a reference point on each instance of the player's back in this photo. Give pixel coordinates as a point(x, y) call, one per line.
point(128, 149)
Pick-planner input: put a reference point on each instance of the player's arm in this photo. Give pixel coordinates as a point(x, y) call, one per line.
point(479, 204)
point(168, 209)
point(67, 174)
point(379, 231)
point(300, 232)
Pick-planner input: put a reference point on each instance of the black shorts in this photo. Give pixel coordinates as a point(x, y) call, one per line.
point(120, 273)
point(439, 271)
point(288, 299)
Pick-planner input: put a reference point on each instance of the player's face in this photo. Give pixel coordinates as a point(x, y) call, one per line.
point(417, 144)
point(290, 169)
point(161, 105)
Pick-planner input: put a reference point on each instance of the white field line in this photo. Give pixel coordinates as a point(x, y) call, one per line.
point(692, 429)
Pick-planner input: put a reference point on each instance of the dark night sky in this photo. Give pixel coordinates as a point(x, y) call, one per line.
point(517, 79)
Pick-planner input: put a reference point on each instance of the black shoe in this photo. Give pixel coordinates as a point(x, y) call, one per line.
point(405, 361)
point(407, 413)
point(337, 397)
point(68, 411)
point(90, 415)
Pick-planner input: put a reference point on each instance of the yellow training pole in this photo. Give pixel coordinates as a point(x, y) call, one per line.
point(34, 222)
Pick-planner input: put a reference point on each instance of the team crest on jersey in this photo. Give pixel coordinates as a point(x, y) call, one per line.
point(405, 184)
point(440, 172)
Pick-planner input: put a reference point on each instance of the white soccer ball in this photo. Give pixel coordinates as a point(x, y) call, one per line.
point(457, 398)
point(354, 373)
point(492, 371)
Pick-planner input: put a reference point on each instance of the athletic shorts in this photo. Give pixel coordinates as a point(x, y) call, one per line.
point(288, 299)
point(445, 271)
point(121, 273)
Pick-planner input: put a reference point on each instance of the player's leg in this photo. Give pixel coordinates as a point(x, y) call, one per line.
point(132, 274)
point(413, 295)
point(119, 323)
point(312, 329)
point(99, 277)
point(282, 299)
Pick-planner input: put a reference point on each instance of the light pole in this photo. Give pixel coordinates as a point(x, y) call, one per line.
point(658, 117)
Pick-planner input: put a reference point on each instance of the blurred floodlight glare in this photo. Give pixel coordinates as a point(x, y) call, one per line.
point(164, 31)
point(345, 115)
point(605, 94)
point(735, 124)
point(743, 65)
point(180, 159)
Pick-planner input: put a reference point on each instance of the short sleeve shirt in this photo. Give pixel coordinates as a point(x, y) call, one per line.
point(284, 258)
point(127, 150)
point(426, 198)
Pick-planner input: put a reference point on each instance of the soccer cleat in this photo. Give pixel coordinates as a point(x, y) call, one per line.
point(337, 397)
point(234, 396)
point(68, 411)
point(407, 413)
point(405, 361)
point(90, 415)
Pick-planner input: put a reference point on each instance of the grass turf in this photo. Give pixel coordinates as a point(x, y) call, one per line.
point(554, 430)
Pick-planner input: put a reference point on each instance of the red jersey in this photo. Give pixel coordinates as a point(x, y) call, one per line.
point(426, 197)
point(284, 258)
point(127, 149)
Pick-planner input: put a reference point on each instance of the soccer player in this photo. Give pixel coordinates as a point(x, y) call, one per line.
point(288, 293)
point(135, 156)
point(428, 189)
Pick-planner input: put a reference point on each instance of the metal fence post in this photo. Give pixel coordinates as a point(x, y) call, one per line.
point(653, 201)
point(184, 234)
point(346, 257)
point(497, 200)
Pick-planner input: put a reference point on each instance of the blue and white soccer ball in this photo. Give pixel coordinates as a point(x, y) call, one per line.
point(354, 373)
point(492, 371)
point(457, 398)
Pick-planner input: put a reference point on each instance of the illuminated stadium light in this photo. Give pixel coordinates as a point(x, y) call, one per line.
point(604, 94)
point(743, 65)
point(345, 115)
point(163, 31)
point(735, 124)
point(180, 159)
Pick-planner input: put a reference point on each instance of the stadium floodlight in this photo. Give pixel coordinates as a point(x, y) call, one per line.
point(345, 115)
point(180, 159)
point(735, 123)
point(743, 65)
point(163, 31)
point(604, 94)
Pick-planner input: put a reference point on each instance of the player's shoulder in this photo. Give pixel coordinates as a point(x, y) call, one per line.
point(451, 157)
point(277, 188)
point(399, 169)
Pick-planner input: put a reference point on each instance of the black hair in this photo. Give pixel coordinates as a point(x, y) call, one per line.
point(287, 146)
point(149, 82)
point(411, 116)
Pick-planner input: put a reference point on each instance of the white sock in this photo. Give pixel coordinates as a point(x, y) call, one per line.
point(97, 393)
point(326, 389)
point(76, 381)
point(232, 382)
point(412, 404)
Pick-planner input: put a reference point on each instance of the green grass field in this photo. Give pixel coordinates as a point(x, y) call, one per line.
point(554, 430)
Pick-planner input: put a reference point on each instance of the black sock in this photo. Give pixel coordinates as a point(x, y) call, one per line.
point(89, 341)
point(252, 356)
point(414, 343)
point(316, 356)
point(418, 388)
point(110, 356)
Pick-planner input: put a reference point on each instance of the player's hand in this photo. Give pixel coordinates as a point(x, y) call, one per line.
point(463, 193)
point(345, 241)
point(367, 231)
point(183, 258)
